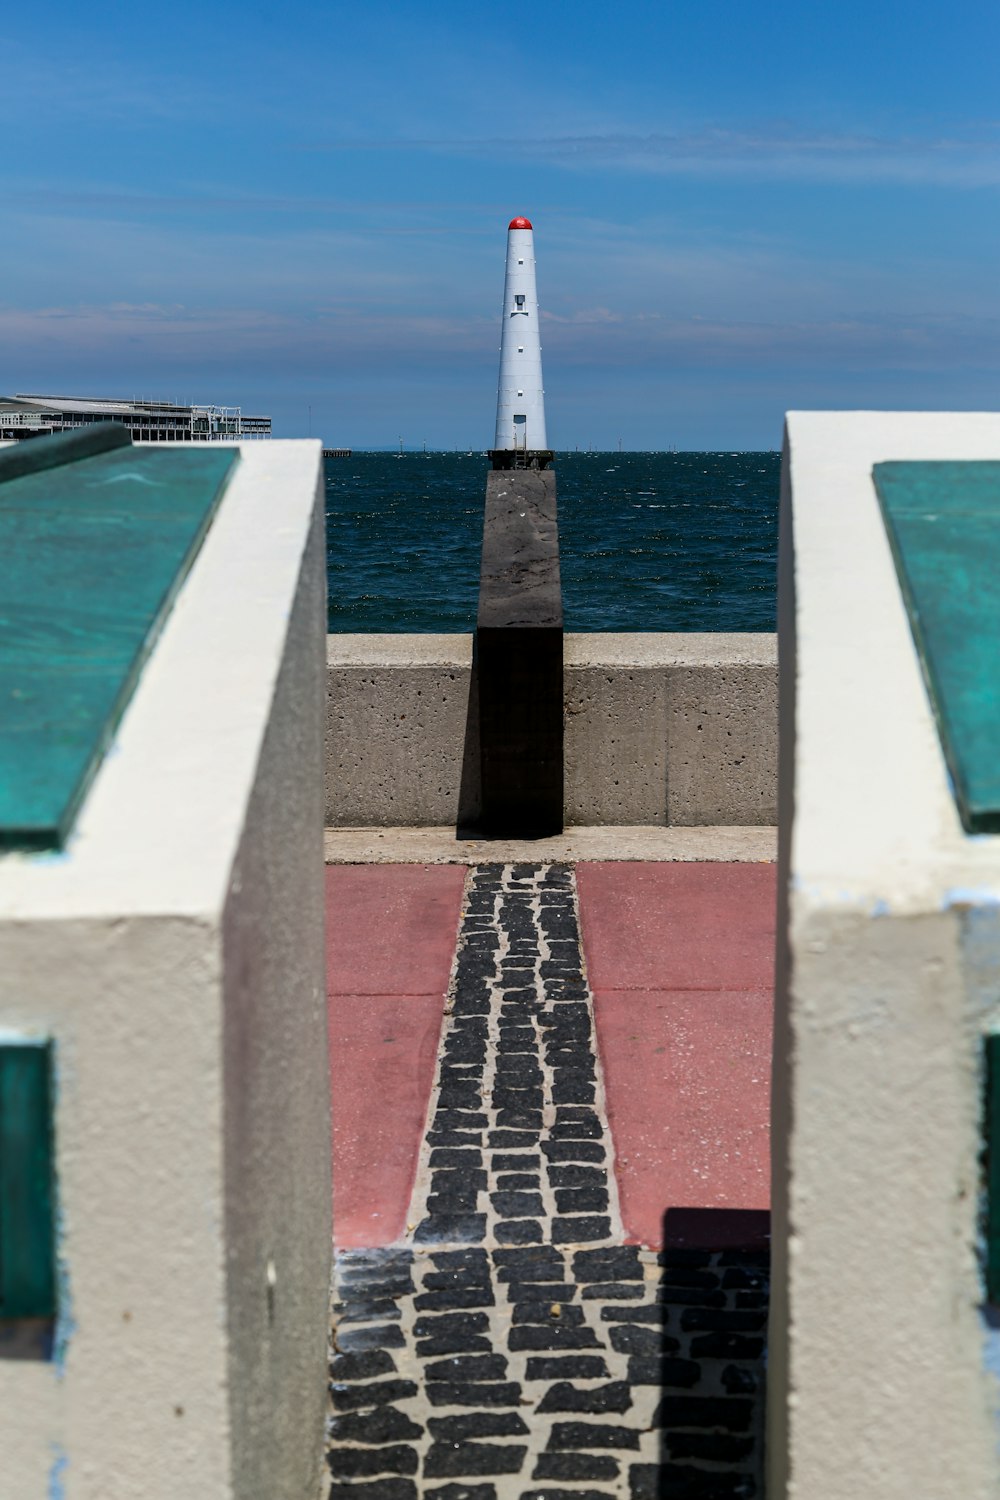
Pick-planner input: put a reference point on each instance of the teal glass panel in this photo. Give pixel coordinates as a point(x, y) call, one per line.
point(27, 1183)
point(991, 1155)
point(96, 538)
point(943, 523)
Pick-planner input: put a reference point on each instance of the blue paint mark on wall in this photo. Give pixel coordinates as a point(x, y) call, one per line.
point(65, 1323)
point(991, 1355)
point(971, 896)
point(57, 1477)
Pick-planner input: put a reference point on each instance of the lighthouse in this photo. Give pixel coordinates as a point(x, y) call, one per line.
point(520, 441)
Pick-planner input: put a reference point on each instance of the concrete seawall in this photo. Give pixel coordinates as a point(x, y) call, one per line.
point(672, 729)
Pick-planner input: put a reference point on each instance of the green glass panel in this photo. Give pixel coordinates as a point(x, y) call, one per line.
point(97, 537)
point(991, 1124)
point(27, 1218)
point(943, 522)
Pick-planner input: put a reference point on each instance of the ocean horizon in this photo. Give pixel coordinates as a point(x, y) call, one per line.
point(649, 541)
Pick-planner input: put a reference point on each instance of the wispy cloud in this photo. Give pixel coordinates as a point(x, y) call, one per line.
point(779, 153)
point(114, 202)
point(102, 89)
point(338, 338)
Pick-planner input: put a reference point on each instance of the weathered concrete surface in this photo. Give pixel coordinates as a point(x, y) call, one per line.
point(677, 926)
point(882, 1369)
point(391, 932)
point(681, 962)
point(390, 943)
point(174, 952)
point(396, 727)
point(722, 733)
point(617, 727)
point(276, 1227)
point(680, 729)
point(519, 584)
point(704, 1057)
point(519, 658)
point(659, 729)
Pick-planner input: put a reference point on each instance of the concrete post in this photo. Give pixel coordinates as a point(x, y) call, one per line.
point(173, 955)
point(883, 1354)
point(519, 643)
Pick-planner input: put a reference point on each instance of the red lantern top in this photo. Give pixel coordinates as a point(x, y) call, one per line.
point(519, 224)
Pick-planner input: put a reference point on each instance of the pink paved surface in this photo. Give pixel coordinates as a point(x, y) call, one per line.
point(390, 941)
point(680, 960)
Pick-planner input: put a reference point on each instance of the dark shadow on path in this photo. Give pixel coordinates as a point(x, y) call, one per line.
point(470, 788)
point(713, 1299)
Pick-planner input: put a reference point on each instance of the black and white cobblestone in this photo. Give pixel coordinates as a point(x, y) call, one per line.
point(516, 1349)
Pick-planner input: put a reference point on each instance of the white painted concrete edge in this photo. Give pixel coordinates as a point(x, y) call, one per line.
point(115, 948)
point(878, 1353)
point(874, 810)
point(159, 827)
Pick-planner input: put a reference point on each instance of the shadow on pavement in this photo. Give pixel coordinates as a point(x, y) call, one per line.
point(713, 1293)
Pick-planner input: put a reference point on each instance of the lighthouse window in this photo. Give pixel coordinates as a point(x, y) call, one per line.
point(520, 417)
point(520, 393)
point(520, 262)
point(519, 299)
point(520, 348)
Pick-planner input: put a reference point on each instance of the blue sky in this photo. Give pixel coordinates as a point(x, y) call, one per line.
point(738, 208)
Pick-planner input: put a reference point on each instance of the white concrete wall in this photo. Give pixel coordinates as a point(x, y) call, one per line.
point(276, 1078)
point(660, 729)
point(175, 953)
point(888, 976)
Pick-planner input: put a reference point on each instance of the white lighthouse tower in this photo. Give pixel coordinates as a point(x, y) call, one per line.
point(520, 440)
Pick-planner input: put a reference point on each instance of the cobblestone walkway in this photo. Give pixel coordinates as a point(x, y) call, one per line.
point(517, 1349)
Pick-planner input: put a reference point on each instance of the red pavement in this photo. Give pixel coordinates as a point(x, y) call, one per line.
point(680, 961)
point(390, 941)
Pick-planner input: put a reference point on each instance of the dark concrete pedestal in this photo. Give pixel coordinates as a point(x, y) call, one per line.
point(519, 657)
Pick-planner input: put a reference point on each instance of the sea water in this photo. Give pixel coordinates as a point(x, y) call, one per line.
point(648, 541)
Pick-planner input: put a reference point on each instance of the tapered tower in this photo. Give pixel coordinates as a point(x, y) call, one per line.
point(520, 441)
